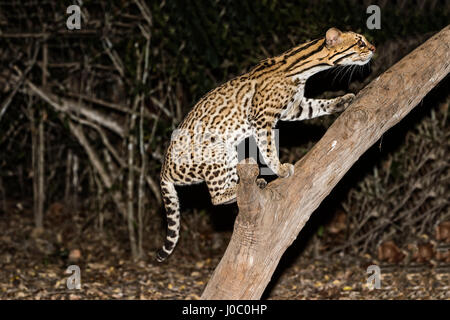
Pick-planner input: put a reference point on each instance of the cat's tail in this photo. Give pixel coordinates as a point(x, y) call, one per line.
point(172, 205)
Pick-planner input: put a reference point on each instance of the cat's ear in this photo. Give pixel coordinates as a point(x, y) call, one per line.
point(333, 37)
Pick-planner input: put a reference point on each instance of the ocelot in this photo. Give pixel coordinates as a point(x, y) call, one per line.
point(204, 147)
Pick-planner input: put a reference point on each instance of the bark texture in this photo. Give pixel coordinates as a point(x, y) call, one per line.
point(269, 220)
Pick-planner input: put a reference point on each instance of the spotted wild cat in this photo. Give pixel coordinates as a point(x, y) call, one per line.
point(204, 146)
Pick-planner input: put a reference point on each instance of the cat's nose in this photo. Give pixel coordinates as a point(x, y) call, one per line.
point(372, 48)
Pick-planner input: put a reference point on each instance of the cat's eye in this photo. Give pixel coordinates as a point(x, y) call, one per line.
point(361, 44)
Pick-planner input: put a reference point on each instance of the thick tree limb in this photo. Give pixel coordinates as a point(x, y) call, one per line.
point(269, 220)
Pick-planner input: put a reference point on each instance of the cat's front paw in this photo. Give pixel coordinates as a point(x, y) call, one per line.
point(344, 102)
point(261, 183)
point(286, 170)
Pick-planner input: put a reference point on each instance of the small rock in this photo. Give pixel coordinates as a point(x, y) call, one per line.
point(74, 255)
point(37, 232)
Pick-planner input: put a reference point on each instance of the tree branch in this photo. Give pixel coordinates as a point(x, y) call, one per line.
point(69, 106)
point(97, 163)
point(18, 84)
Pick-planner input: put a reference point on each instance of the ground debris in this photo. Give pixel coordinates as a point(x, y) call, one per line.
point(107, 272)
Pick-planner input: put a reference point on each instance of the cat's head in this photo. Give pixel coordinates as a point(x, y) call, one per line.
point(345, 48)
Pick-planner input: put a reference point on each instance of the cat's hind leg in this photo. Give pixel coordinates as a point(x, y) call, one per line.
point(222, 185)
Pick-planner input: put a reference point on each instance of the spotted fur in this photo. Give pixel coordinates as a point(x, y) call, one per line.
point(204, 146)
